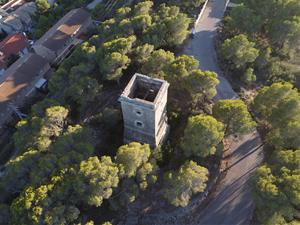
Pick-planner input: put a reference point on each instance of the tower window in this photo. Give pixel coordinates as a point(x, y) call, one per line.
point(138, 112)
point(139, 124)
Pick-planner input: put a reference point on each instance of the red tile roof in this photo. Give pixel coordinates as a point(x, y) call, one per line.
point(11, 45)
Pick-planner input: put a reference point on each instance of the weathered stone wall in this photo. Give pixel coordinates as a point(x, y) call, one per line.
point(144, 121)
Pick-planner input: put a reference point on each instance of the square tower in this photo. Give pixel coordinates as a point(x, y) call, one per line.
point(144, 107)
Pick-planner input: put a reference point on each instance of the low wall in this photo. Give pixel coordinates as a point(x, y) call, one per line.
point(226, 5)
point(201, 12)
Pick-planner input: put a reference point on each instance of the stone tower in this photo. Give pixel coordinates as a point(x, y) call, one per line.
point(144, 107)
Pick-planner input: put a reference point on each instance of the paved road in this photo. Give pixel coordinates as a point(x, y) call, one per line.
point(232, 203)
point(202, 46)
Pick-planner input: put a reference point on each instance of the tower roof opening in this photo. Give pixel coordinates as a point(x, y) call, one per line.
point(143, 88)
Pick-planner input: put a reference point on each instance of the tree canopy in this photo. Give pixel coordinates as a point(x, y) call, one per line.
point(183, 73)
point(56, 202)
point(276, 188)
point(239, 51)
point(182, 184)
point(38, 131)
point(270, 26)
point(202, 136)
point(137, 169)
point(276, 184)
point(279, 106)
point(234, 115)
point(130, 157)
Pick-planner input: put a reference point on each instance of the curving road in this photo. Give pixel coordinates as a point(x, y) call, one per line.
point(202, 45)
point(232, 203)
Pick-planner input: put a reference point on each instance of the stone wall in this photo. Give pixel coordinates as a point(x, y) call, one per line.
point(145, 118)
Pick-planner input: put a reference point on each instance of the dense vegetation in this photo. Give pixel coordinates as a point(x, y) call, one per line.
point(69, 165)
point(276, 184)
point(261, 41)
point(66, 165)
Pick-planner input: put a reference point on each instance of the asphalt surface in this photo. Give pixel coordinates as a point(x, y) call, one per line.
point(232, 203)
point(202, 46)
